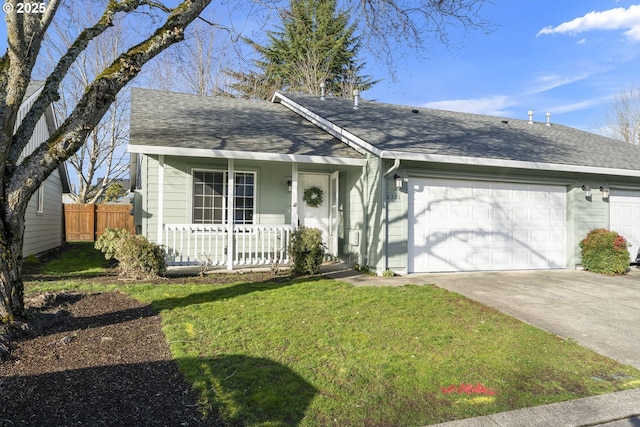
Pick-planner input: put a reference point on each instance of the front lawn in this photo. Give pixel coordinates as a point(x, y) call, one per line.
point(317, 352)
point(320, 352)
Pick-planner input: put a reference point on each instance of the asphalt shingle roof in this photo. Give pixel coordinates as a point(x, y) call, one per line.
point(429, 131)
point(167, 119)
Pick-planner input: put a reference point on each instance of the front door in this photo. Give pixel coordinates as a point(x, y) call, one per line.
point(319, 216)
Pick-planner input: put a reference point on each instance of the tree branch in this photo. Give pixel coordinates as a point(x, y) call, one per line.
point(50, 92)
point(92, 106)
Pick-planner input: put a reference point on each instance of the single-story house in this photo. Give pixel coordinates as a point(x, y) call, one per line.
point(391, 187)
point(44, 218)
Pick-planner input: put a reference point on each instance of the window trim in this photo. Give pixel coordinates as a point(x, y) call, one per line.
point(225, 199)
point(40, 200)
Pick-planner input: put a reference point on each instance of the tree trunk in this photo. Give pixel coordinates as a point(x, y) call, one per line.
point(11, 287)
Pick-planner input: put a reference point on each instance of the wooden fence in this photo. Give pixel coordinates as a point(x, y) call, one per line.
point(86, 222)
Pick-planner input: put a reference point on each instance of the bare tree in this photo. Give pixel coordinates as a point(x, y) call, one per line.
point(623, 119)
point(104, 150)
point(194, 66)
point(387, 24)
point(200, 60)
point(20, 178)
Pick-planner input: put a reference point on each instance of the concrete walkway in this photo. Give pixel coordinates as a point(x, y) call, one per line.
point(599, 312)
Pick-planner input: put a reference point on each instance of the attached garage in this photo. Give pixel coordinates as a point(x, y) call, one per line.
point(460, 225)
point(624, 217)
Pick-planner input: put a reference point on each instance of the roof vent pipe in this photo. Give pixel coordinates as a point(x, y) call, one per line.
point(548, 118)
point(356, 97)
point(530, 117)
point(322, 90)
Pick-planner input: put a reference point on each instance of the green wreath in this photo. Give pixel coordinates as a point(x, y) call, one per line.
point(313, 196)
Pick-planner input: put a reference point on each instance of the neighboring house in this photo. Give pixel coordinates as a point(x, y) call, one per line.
point(404, 188)
point(44, 220)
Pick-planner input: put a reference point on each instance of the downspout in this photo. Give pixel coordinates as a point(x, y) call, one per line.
point(392, 169)
point(396, 165)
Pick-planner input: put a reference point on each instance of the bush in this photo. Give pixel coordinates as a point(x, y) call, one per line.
point(605, 251)
point(110, 240)
point(136, 255)
point(388, 273)
point(306, 250)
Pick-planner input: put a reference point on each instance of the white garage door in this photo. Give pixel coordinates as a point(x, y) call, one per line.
point(459, 225)
point(624, 217)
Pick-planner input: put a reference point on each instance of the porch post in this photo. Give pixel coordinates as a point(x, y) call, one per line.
point(230, 208)
point(160, 198)
point(294, 195)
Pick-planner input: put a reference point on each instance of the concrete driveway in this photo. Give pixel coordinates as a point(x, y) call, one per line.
point(599, 312)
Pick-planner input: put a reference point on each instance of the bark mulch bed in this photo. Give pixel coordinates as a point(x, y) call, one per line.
point(94, 359)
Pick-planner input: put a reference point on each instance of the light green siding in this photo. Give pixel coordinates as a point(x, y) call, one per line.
point(150, 197)
point(584, 215)
point(273, 201)
point(397, 224)
point(177, 191)
point(352, 214)
point(374, 213)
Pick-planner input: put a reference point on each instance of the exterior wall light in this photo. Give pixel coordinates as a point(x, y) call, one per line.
point(289, 185)
point(587, 191)
point(399, 181)
point(605, 192)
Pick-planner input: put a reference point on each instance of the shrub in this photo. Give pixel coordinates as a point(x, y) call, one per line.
point(136, 255)
point(110, 240)
point(306, 250)
point(605, 251)
point(388, 273)
point(364, 269)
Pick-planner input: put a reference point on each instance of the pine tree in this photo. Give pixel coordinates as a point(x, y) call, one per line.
point(316, 44)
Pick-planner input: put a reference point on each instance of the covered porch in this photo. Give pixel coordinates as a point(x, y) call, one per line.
point(235, 207)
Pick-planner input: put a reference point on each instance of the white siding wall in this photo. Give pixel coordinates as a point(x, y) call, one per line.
point(43, 231)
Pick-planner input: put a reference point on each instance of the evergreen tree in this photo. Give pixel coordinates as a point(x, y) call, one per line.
point(316, 44)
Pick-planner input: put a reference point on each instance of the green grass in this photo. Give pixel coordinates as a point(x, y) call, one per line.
point(69, 269)
point(320, 352)
point(76, 260)
point(316, 352)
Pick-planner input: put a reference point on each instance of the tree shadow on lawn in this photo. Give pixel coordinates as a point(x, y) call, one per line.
point(155, 393)
point(42, 320)
point(229, 292)
point(247, 390)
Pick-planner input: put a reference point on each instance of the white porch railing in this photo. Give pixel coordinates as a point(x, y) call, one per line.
point(194, 244)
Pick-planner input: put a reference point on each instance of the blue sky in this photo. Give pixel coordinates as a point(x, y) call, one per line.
point(568, 57)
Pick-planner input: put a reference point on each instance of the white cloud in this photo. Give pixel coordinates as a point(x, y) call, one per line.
point(577, 106)
point(492, 106)
point(612, 19)
point(545, 82)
